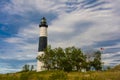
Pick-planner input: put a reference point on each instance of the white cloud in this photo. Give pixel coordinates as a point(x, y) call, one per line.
point(101, 30)
point(6, 68)
point(14, 40)
point(110, 58)
point(23, 6)
point(25, 44)
point(113, 46)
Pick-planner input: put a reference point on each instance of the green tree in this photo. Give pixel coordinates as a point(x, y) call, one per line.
point(70, 58)
point(58, 58)
point(75, 57)
point(97, 64)
point(32, 67)
point(26, 68)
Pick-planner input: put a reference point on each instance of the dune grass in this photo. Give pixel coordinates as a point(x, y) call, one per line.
point(60, 75)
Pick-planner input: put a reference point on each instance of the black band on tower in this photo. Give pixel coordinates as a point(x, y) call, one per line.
point(43, 25)
point(42, 43)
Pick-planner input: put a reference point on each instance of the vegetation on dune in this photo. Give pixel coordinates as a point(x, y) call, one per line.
point(27, 68)
point(116, 68)
point(61, 75)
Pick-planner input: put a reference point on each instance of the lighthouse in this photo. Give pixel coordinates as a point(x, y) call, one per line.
point(42, 42)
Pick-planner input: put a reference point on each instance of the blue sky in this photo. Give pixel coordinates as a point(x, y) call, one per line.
point(87, 24)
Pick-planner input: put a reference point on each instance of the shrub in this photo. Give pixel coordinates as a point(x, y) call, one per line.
point(24, 76)
point(59, 75)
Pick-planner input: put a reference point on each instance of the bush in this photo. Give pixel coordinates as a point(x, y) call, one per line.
point(24, 76)
point(40, 78)
point(59, 75)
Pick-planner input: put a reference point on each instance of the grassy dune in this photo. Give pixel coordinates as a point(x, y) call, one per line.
point(60, 75)
point(95, 76)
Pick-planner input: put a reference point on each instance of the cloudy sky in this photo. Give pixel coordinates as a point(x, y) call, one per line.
point(87, 24)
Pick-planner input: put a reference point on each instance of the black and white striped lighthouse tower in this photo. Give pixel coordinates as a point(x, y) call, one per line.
point(42, 42)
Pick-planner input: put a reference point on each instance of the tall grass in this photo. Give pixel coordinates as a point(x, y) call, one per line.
point(60, 75)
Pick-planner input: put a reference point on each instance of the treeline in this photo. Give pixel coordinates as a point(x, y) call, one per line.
point(70, 59)
point(27, 68)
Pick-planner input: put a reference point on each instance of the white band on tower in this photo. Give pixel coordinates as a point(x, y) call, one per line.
point(40, 64)
point(43, 31)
